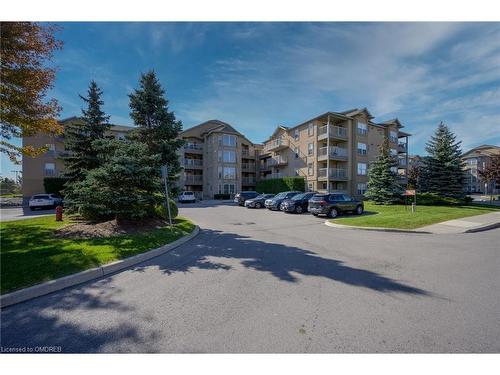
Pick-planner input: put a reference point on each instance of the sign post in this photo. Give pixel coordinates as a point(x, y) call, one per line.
point(164, 174)
point(410, 193)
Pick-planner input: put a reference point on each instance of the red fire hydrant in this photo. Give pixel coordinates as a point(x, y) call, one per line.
point(59, 212)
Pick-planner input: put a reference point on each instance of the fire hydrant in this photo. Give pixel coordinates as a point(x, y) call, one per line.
point(59, 212)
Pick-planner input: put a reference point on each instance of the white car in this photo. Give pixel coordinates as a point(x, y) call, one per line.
point(187, 197)
point(44, 201)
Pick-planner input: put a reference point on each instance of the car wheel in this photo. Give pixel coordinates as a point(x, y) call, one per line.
point(333, 213)
point(298, 209)
point(315, 215)
point(32, 208)
point(359, 210)
point(258, 205)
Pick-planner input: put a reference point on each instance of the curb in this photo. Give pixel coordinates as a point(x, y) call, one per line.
point(483, 228)
point(55, 285)
point(375, 229)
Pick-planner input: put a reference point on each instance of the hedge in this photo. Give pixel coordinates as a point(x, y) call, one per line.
point(433, 199)
point(277, 185)
point(222, 196)
point(54, 185)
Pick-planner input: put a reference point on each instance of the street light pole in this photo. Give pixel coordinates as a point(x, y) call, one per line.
point(164, 172)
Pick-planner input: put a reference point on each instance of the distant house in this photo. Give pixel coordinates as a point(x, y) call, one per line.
point(477, 160)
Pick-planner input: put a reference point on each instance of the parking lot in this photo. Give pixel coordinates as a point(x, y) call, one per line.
point(262, 281)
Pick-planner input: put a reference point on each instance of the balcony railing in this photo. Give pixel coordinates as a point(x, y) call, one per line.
point(335, 131)
point(248, 166)
point(247, 153)
point(248, 180)
point(278, 160)
point(276, 144)
point(193, 162)
point(335, 152)
point(193, 146)
point(402, 162)
point(193, 180)
point(402, 147)
point(274, 175)
point(334, 173)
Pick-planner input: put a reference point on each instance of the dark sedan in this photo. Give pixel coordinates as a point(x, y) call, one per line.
point(259, 201)
point(240, 198)
point(333, 204)
point(274, 204)
point(297, 204)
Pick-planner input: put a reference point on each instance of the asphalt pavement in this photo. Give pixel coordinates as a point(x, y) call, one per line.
point(270, 282)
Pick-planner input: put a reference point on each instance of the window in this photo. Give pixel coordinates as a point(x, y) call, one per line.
point(310, 186)
point(229, 140)
point(297, 173)
point(361, 148)
point(229, 173)
point(296, 134)
point(394, 152)
point(50, 169)
point(228, 188)
point(310, 169)
point(219, 155)
point(229, 157)
point(310, 149)
point(361, 188)
point(296, 151)
point(120, 136)
point(362, 128)
point(219, 172)
point(310, 129)
point(362, 169)
point(393, 136)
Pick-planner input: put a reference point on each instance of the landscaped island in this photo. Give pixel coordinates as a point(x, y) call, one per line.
point(401, 217)
point(37, 250)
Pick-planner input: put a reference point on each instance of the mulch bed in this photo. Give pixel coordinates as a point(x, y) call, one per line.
point(109, 228)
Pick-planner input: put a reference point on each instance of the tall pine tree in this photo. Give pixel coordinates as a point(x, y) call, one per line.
point(156, 126)
point(383, 186)
point(442, 171)
point(81, 156)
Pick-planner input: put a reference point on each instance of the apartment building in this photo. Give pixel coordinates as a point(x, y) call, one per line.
point(50, 163)
point(333, 151)
point(476, 160)
point(217, 159)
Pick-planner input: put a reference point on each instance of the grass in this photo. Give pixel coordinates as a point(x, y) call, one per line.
point(11, 195)
point(30, 253)
point(397, 216)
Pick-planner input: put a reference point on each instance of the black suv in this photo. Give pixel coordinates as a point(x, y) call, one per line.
point(333, 204)
point(258, 201)
point(298, 203)
point(240, 198)
point(275, 203)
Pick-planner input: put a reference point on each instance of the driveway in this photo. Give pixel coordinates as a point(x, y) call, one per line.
point(260, 281)
point(21, 213)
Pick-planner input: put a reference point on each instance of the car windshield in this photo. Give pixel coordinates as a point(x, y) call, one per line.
point(40, 197)
point(280, 195)
point(319, 197)
point(298, 197)
point(188, 193)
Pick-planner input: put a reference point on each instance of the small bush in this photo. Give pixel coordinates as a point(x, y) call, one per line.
point(277, 185)
point(433, 199)
point(162, 213)
point(54, 185)
point(222, 196)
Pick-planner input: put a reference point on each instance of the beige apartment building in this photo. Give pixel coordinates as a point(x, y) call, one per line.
point(50, 163)
point(217, 159)
point(476, 160)
point(333, 151)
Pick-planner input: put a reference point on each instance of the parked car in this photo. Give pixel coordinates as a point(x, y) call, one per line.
point(298, 203)
point(186, 197)
point(274, 204)
point(258, 201)
point(44, 201)
point(333, 204)
point(240, 198)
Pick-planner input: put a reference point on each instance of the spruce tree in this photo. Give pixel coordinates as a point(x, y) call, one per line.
point(442, 171)
point(383, 187)
point(156, 126)
point(81, 156)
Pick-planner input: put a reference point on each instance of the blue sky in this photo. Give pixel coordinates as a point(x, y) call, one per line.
point(256, 76)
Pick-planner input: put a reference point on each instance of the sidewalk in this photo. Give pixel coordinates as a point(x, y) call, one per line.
point(466, 225)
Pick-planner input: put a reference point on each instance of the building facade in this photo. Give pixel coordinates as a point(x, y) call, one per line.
point(50, 164)
point(476, 160)
point(333, 151)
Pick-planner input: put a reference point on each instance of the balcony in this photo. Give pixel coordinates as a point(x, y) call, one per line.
point(402, 148)
point(335, 153)
point(248, 167)
point(248, 154)
point(335, 132)
point(193, 180)
point(277, 161)
point(274, 175)
point(402, 163)
point(333, 174)
point(246, 181)
point(276, 144)
point(193, 148)
point(193, 163)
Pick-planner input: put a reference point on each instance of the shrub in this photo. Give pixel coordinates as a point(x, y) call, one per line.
point(276, 185)
point(54, 185)
point(162, 213)
point(222, 196)
point(434, 199)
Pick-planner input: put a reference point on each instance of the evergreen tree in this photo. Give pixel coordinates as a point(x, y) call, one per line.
point(442, 171)
point(156, 126)
point(383, 187)
point(80, 154)
point(122, 187)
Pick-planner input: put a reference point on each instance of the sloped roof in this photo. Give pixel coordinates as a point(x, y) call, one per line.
point(484, 150)
point(354, 112)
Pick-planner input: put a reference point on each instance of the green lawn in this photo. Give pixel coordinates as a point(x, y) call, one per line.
point(11, 195)
point(30, 253)
point(398, 216)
